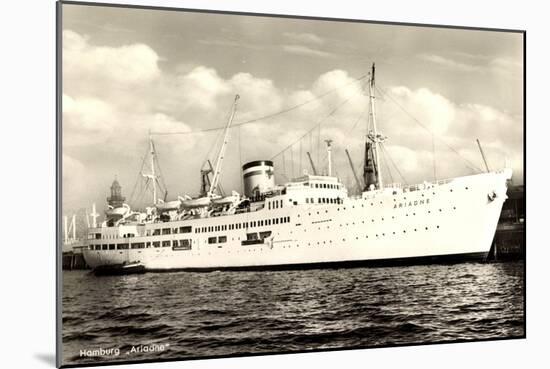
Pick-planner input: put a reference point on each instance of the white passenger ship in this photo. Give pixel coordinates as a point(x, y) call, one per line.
point(309, 222)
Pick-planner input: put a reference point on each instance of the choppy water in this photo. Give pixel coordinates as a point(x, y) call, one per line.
point(224, 313)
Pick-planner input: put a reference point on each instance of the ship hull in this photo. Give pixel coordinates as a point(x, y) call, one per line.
point(449, 222)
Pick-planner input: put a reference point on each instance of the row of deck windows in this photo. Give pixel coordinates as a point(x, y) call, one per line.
point(274, 204)
point(244, 225)
point(142, 245)
point(325, 185)
point(324, 200)
point(165, 231)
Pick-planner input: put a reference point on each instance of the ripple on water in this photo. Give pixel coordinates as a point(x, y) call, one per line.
point(250, 312)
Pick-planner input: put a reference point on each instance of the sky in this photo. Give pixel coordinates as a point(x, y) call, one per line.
point(126, 72)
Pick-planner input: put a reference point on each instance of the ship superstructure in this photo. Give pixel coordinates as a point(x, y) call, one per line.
point(309, 221)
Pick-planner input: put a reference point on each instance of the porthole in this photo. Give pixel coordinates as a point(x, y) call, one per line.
point(437, 227)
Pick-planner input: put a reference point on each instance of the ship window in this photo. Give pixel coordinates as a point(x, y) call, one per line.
point(212, 240)
point(138, 245)
point(185, 243)
point(165, 243)
point(222, 239)
point(104, 247)
point(98, 247)
point(268, 205)
point(122, 246)
point(98, 236)
point(166, 231)
point(175, 230)
point(281, 203)
point(111, 247)
point(156, 243)
point(175, 243)
point(186, 229)
point(148, 244)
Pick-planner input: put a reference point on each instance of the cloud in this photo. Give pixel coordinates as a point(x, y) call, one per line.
point(133, 64)
point(308, 38)
point(306, 51)
point(107, 119)
point(449, 63)
point(455, 127)
point(503, 66)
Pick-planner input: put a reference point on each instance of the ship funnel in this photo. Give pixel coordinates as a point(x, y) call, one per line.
point(258, 177)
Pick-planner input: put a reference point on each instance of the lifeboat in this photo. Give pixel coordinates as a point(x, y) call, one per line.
point(227, 200)
point(190, 203)
point(168, 205)
point(117, 212)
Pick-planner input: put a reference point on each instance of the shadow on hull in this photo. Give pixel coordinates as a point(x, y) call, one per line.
point(422, 260)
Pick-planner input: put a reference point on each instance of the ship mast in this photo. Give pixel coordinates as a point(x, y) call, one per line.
point(152, 176)
point(219, 160)
point(374, 136)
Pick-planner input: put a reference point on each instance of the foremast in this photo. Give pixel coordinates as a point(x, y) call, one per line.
point(373, 135)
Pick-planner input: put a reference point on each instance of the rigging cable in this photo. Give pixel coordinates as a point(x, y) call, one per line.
point(316, 126)
point(254, 120)
point(468, 163)
point(393, 163)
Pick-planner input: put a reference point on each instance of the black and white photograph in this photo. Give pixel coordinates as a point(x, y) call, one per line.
point(236, 184)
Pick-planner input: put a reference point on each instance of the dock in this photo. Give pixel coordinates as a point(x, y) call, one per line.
point(509, 240)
